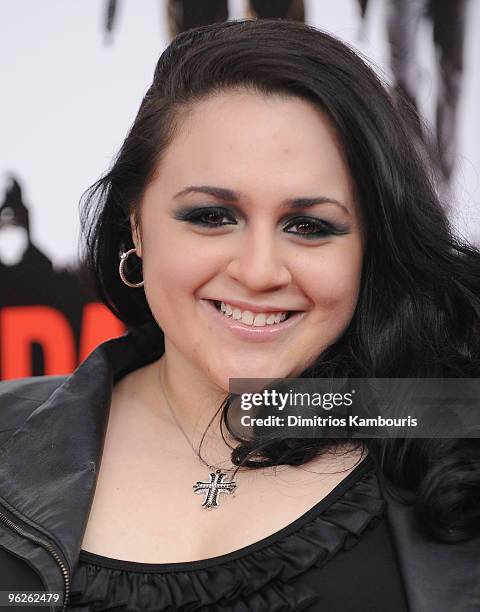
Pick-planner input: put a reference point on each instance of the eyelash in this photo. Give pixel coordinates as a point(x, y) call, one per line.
point(195, 217)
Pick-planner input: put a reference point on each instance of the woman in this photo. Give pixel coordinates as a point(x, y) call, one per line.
point(267, 216)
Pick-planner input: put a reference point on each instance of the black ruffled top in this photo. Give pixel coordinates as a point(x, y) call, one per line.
point(338, 556)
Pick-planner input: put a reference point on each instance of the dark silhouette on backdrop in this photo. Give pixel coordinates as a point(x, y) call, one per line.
point(185, 14)
point(49, 318)
point(447, 18)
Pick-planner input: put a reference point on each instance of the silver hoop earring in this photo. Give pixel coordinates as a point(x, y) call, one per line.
point(121, 271)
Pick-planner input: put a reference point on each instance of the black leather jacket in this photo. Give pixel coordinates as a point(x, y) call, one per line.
point(52, 431)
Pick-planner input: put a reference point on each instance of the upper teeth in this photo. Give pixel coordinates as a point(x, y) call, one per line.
point(249, 318)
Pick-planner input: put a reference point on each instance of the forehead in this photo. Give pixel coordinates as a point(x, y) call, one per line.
point(274, 146)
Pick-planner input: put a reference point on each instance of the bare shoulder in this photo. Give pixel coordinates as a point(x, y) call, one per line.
point(133, 387)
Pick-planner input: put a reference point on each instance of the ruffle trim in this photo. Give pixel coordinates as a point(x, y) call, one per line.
point(259, 581)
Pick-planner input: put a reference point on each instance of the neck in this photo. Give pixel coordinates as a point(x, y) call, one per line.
point(194, 401)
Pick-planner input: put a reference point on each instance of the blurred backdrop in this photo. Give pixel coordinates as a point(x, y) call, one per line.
point(73, 75)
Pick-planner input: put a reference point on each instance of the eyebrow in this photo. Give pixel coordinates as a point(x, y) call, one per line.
point(227, 194)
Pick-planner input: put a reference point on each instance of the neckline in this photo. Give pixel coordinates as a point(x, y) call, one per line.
point(136, 566)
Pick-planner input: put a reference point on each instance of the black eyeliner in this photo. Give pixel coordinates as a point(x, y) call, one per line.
point(327, 228)
point(194, 213)
point(186, 212)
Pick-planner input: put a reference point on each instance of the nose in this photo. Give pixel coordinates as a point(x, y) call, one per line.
point(258, 263)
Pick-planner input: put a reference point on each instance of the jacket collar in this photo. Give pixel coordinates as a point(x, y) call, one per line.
point(439, 576)
point(49, 469)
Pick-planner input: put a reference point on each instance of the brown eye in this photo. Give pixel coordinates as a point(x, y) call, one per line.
point(303, 228)
point(213, 218)
point(207, 217)
point(311, 228)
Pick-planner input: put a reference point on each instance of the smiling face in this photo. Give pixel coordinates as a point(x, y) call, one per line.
point(252, 205)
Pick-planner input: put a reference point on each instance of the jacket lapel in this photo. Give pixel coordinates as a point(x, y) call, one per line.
point(49, 466)
point(443, 577)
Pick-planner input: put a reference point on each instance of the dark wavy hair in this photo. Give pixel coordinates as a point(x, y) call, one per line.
point(418, 311)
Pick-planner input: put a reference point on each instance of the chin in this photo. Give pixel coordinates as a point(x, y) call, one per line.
point(249, 371)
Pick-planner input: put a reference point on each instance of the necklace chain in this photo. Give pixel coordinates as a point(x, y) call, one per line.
point(212, 467)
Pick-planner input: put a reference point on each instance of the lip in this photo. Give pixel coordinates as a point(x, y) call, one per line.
point(248, 332)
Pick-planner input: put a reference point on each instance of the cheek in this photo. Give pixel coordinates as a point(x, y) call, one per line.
point(335, 285)
point(174, 269)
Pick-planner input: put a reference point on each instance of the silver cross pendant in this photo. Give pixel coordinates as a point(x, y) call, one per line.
point(213, 488)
